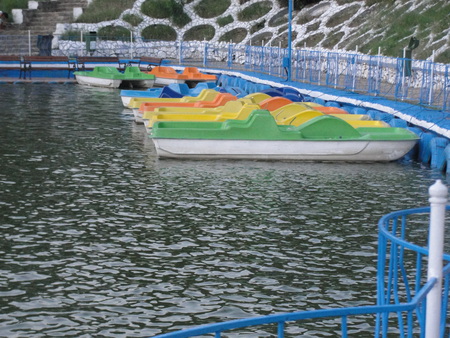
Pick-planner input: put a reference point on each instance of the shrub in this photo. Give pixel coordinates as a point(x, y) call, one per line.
point(199, 33)
point(211, 8)
point(104, 10)
point(7, 5)
point(132, 19)
point(225, 20)
point(165, 9)
point(257, 27)
point(255, 11)
point(159, 32)
point(71, 36)
point(114, 33)
point(235, 36)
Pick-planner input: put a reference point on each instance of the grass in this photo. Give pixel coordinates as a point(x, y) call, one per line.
point(165, 9)
point(8, 5)
point(159, 32)
point(132, 19)
point(211, 8)
point(104, 10)
point(199, 33)
point(255, 11)
point(225, 21)
point(257, 27)
point(235, 36)
point(71, 36)
point(114, 33)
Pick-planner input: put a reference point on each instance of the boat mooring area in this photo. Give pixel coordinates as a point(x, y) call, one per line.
point(102, 237)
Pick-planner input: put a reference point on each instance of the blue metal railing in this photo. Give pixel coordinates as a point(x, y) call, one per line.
point(401, 290)
point(420, 81)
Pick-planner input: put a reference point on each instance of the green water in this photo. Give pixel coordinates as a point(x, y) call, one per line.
point(100, 238)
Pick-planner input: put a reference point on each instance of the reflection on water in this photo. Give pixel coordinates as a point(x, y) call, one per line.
point(100, 238)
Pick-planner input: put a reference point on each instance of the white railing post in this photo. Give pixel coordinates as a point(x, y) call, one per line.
point(430, 93)
point(438, 200)
point(29, 42)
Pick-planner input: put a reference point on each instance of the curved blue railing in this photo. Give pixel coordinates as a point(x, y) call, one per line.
point(401, 291)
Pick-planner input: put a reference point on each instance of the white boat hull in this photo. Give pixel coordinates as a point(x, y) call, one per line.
point(98, 82)
point(162, 82)
point(138, 116)
point(283, 150)
point(126, 100)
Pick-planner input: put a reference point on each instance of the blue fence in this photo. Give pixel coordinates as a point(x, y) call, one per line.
point(420, 81)
point(402, 288)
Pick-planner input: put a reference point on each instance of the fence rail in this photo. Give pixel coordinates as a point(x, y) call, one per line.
point(419, 81)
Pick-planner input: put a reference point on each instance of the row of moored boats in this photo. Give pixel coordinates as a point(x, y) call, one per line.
point(188, 115)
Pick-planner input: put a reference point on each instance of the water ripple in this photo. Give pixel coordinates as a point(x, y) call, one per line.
point(100, 238)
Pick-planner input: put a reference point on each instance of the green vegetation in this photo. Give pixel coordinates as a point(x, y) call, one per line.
point(132, 19)
point(71, 36)
point(7, 5)
point(165, 9)
point(199, 33)
point(114, 33)
point(257, 27)
point(159, 32)
point(444, 57)
point(225, 20)
point(297, 4)
point(255, 11)
point(235, 36)
point(373, 2)
point(104, 10)
point(211, 8)
point(393, 29)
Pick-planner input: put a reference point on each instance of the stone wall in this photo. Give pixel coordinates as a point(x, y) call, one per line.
point(330, 24)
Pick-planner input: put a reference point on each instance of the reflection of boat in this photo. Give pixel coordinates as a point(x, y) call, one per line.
point(173, 90)
point(167, 75)
point(110, 77)
point(324, 138)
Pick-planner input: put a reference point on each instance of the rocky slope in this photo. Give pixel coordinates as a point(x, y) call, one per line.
point(368, 26)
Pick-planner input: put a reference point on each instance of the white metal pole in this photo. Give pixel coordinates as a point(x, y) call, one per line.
point(378, 72)
point(430, 93)
point(131, 44)
point(29, 42)
point(438, 199)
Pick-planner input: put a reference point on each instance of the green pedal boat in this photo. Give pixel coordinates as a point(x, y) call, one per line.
point(323, 138)
point(110, 77)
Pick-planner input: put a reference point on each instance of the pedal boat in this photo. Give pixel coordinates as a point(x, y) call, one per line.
point(167, 75)
point(323, 138)
point(195, 76)
point(110, 77)
point(292, 114)
point(173, 90)
point(208, 98)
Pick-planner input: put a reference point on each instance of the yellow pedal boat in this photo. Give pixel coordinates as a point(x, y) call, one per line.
point(292, 114)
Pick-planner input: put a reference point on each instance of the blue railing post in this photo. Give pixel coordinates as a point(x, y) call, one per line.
point(230, 55)
point(205, 54)
point(438, 200)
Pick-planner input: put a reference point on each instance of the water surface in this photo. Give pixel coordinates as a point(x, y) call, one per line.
point(100, 238)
